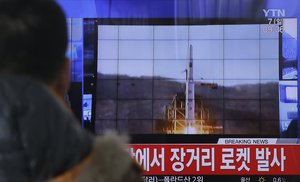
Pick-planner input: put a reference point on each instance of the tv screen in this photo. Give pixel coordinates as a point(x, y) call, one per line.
point(207, 90)
point(195, 76)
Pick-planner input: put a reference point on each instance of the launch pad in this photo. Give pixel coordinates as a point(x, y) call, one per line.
point(202, 124)
point(186, 114)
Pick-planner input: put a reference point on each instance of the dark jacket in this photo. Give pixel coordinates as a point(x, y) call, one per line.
point(39, 138)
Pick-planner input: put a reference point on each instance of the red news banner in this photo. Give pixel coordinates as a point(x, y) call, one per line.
point(214, 159)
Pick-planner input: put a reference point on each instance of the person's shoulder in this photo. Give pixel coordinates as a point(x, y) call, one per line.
point(16, 84)
point(17, 91)
point(46, 128)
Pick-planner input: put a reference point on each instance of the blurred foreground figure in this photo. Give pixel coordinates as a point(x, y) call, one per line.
point(40, 139)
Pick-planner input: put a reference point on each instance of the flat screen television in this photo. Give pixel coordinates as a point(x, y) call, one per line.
point(200, 84)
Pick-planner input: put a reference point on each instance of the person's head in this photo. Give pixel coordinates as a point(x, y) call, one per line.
point(33, 41)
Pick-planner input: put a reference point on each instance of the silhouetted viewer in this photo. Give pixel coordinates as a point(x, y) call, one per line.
point(39, 137)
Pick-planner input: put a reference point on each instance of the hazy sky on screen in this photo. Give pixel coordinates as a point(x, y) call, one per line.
point(229, 52)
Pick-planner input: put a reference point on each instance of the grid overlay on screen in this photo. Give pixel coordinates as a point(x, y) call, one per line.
point(142, 67)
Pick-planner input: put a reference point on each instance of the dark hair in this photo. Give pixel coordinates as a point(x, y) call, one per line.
point(33, 38)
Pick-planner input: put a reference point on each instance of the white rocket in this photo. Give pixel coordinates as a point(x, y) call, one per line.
point(190, 91)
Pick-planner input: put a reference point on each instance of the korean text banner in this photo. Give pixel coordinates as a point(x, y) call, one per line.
point(184, 159)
